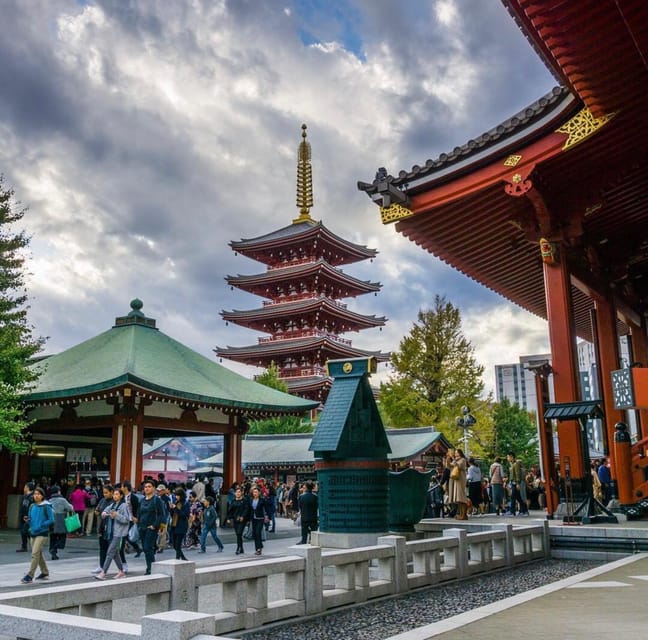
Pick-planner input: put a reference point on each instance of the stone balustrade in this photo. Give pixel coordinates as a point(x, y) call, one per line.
point(183, 602)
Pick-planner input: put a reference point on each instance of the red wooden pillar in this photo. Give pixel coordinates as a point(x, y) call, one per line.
point(546, 444)
point(623, 455)
point(126, 453)
point(232, 457)
point(640, 354)
point(607, 347)
point(562, 338)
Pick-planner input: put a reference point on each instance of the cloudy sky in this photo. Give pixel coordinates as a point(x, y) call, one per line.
point(144, 136)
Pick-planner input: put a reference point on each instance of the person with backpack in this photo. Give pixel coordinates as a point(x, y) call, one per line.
point(60, 507)
point(40, 519)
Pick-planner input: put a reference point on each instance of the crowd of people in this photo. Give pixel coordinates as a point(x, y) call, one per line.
point(160, 515)
point(462, 487)
point(153, 517)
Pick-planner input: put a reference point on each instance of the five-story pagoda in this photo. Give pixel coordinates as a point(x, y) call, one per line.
point(302, 287)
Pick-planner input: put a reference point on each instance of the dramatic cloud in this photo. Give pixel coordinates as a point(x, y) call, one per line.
point(144, 136)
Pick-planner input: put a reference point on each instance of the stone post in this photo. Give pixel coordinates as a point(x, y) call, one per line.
point(178, 625)
point(313, 577)
point(508, 542)
point(183, 593)
point(399, 571)
point(461, 552)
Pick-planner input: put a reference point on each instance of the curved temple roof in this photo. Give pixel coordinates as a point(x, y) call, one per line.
point(135, 352)
point(259, 248)
point(338, 349)
point(294, 448)
point(258, 283)
point(257, 318)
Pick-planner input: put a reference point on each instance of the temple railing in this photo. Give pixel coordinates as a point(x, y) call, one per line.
point(296, 297)
point(225, 598)
point(304, 333)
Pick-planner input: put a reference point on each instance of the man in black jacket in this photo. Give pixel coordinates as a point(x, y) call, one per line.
point(308, 512)
point(150, 517)
point(26, 502)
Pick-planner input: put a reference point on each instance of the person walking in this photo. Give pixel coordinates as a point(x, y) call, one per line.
point(516, 481)
point(40, 518)
point(150, 517)
point(209, 517)
point(474, 480)
point(272, 508)
point(238, 512)
point(58, 535)
point(92, 500)
point(457, 491)
point(78, 499)
point(132, 502)
point(179, 521)
point(434, 499)
point(23, 515)
point(308, 504)
point(163, 494)
point(260, 516)
point(605, 478)
point(117, 519)
point(496, 473)
point(105, 502)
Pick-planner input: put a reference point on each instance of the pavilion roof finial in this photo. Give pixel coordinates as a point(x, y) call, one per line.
point(304, 180)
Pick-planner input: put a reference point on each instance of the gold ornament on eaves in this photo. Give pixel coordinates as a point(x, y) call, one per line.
point(394, 212)
point(582, 126)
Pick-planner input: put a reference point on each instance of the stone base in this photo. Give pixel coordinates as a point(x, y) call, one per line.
point(345, 540)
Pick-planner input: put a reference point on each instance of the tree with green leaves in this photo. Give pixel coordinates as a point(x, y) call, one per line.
point(514, 430)
point(17, 345)
point(285, 424)
point(436, 373)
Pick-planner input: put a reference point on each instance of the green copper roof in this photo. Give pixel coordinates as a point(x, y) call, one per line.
point(295, 448)
point(350, 425)
point(134, 351)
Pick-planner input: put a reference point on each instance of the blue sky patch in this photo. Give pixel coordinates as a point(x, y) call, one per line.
point(330, 20)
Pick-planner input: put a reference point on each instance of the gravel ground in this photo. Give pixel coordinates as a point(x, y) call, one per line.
point(394, 615)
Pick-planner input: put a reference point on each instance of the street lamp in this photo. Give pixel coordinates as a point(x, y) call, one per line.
point(467, 421)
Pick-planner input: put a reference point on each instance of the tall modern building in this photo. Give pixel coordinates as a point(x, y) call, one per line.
point(517, 382)
point(303, 285)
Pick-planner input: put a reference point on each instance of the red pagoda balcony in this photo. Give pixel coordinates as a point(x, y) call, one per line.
point(297, 297)
point(308, 333)
point(291, 263)
point(303, 372)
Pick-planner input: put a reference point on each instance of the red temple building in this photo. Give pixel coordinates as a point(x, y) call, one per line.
point(550, 210)
point(302, 288)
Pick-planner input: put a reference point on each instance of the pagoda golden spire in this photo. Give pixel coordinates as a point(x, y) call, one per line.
point(304, 180)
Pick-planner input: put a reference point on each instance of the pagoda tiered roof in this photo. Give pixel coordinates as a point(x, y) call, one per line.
point(311, 312)
point(314, 387)
point(268, 350)
point(306, 239)
point(316, 275)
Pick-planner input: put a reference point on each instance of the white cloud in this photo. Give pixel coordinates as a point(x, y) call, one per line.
point(145, 136)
